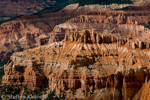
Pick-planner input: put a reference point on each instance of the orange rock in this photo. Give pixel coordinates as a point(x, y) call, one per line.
point(82, 65)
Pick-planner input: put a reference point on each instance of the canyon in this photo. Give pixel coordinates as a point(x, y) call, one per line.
point(84, 60)
point(32, 31)
point(94, 52)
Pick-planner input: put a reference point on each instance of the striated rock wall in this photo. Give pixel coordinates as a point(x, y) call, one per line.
point(83, 60)
point(31, 31)
point(108, 22)
point(121, 86)
point(143, 93)
point(27, 7)
point(51, 27)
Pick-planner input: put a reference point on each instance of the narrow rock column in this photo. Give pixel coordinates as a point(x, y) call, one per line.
point(85, 38)
point(66, 37)
point(98, 38)
point(93, 37)
point(72, 37)
point(76, 36)
point(81, 40)
point(140, 45)
point(147, 45)
point(133, 45)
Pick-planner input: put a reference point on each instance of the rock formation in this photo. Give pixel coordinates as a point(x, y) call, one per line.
point(109, 21)
point(25, 33)
point(13, 8)
point(83, 60)
point(100, 50)
point(15, 35)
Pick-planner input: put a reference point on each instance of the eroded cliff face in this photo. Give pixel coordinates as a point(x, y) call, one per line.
point(27, 7)
point(15, 36)
point(106, 20)
point(131, 90)
point(85, 60)
point(143, 93)
point(31, 31)
point(123, 22)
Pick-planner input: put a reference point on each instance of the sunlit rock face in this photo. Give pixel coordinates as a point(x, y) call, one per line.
point(31, 31)
point(128, 88)
point(27, 7)
point(51, 27)
point(91, 47)
point(85, 59)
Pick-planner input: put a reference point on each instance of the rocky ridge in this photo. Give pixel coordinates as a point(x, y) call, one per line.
point(31, 31)
point(27, 7)
point(84, 60)
point(25, 33)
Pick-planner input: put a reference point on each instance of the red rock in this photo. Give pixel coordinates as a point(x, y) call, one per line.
point(111, 56)
point(82, 65)
point(48, 28)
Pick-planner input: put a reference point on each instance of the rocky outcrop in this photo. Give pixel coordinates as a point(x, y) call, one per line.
point(15, 36)
point(48, 28)
point(27, 7)
point(143, 93)
point(124, 86)
point(32, 31)
point(108, 22)
point(84, 60)
point(111, 56)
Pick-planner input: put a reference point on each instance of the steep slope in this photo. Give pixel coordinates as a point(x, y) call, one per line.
point(143, 93)
point(21, 7)
point(51, 27)
point(114, 94)
point(111, 58)
point(83, 60)
point(24, 33)
point(107, 21)
point(31, 31)
point(43, 24)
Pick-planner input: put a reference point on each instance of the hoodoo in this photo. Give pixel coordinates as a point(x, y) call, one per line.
point(91, 52)
point(84, 60)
